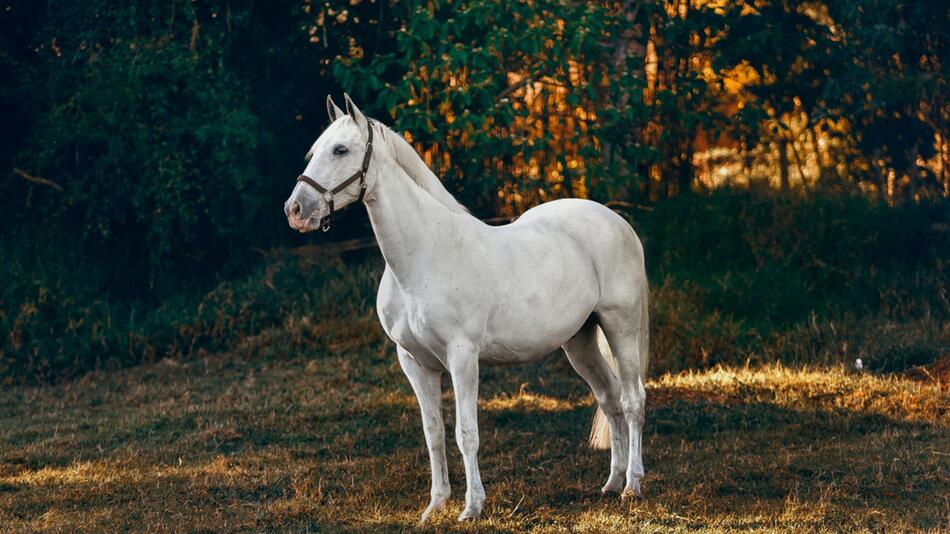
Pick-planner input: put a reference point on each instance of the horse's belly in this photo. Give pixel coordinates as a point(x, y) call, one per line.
point(529, 342)
point(533, 326)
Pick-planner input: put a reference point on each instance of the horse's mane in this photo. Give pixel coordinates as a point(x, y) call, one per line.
point(407, 158)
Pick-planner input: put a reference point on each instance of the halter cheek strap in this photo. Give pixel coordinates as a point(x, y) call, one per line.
point(358, 175)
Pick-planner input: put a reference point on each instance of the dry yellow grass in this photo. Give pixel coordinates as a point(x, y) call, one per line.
point(333, 443)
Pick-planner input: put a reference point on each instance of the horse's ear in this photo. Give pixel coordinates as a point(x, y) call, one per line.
point(332, 110)
point(354, 111)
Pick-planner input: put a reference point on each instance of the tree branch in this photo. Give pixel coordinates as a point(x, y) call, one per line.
point(627, 205)
point(36, 179)
point(521, 83)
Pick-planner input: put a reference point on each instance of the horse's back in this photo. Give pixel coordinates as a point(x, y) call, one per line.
point(599, 230)
point(605, 236)
point(577, 216)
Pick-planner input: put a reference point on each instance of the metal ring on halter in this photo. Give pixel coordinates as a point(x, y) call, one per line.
point(358, 175)
point(325, 221)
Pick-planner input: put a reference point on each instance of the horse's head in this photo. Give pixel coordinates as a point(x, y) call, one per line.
point(336, 174)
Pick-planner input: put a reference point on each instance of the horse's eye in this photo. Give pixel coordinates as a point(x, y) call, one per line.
point(339, 150)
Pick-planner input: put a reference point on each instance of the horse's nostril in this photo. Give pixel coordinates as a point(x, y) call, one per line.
point(295, 209)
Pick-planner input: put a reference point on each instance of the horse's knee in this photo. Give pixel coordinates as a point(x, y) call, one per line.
point(634, 409)
point(609, 404)
point(467, 440)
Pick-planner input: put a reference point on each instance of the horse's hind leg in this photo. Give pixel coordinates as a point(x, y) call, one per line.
point(626, 329)
point(585, 357)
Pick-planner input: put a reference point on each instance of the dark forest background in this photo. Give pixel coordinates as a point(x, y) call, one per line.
point(786, 164)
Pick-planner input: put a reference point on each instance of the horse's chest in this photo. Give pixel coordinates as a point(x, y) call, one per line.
point(408, 324)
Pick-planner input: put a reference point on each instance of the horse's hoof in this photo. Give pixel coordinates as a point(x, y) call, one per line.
point(613, 485)
point(435, 505)
point(427, 514)
point(631, 492)
point(470, 514)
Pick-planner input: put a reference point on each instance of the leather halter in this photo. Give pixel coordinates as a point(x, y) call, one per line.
point(358, 175)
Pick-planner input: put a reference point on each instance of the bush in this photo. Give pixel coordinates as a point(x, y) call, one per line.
point(751, 276)
point(59, 323)
point(770, 259)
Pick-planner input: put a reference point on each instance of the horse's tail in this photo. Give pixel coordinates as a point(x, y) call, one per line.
point(600, 431)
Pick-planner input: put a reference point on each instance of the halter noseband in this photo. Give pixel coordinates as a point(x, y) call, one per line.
point(358, 175)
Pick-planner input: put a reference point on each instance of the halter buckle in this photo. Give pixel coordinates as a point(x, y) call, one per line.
point(325, 224)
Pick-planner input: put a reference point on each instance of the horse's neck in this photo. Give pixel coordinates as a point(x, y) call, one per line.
point(411, 226)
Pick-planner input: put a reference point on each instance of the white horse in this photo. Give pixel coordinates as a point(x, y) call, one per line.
point(457, 293)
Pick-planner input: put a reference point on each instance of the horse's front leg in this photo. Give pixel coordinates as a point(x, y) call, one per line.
point(427, 384)
point(462, 359)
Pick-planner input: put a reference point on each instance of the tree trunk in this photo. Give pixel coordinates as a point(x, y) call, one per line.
point(685, 172)
point(783, 163)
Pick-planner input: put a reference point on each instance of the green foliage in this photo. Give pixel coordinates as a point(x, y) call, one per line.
point(173, 129)
point(148, 132)
point(905, 80)
point(874, 67)
point(448, 82)
point(494, 89)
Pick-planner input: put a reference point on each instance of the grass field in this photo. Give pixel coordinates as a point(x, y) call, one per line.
point(330, 440)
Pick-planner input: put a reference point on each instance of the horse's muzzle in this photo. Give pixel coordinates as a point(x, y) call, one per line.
point(301, 218)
